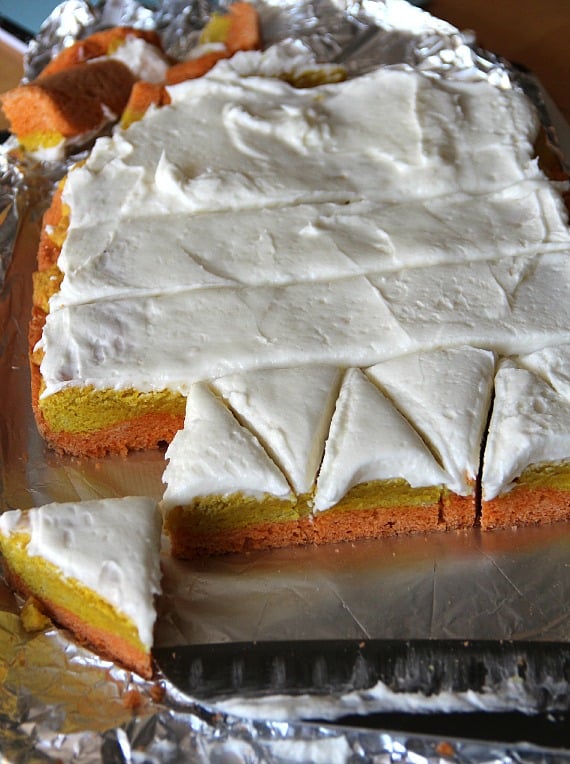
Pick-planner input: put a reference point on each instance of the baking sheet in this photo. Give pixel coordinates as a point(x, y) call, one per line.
point(511, 584)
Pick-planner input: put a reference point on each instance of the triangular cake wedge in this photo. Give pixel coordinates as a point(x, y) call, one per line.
point(526, 467)
point(92, 566)
point(290, 412)
point(223, 491)
point(377, 472)
point(446, 395)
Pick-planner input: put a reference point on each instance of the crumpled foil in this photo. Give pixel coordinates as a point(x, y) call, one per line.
point(59, 701)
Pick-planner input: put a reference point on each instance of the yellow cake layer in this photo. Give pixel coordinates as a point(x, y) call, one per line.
point(388, 493)
point(212, 514)
point(85, 409)
point(554, 475)
point(45, 139)
point(45, 582)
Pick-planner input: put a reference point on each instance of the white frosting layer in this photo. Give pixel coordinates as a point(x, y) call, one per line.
point(111, 546)
point(290, 412)
point(530, 423)
point(214, 454)
point(370, 440)
point(445, 395)
point(306, 242)
point(347, 322)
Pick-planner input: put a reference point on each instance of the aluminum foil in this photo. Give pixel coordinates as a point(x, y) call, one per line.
point(466, 585)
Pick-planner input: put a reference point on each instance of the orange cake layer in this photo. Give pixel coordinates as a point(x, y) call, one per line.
point(189, 540)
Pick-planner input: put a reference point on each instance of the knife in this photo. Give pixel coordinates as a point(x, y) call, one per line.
point(210, 672)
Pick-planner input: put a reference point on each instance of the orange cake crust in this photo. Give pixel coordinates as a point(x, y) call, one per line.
point(332, 526)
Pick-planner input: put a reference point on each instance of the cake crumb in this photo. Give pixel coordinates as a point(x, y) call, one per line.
point(157, 692)
point(32, 617)
point(133, 700)
point(445, 748)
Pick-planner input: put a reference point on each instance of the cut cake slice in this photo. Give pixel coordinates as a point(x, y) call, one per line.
point(92, 566)
point(446, 395)
point(376, 468)
point(222, 488)
point(526, 467)
point(290, 412)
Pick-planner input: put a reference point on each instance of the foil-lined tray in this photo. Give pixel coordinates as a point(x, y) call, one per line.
point(504, 585)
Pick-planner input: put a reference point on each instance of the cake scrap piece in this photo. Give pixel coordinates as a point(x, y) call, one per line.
point(120, 42)
point(49, 112)
point(225, 34)
point(82, 90)
point(526, 468)
point(92, 566)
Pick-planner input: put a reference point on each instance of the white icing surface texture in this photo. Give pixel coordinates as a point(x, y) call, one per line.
point(111, 546)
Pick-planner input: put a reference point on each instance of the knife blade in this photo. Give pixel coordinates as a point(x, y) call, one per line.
point(209, 672)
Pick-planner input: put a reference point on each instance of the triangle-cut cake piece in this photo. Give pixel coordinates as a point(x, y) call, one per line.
point(290, 412)
point(526, 467)
point(94, 568)
point(446, 395)
point(377, 476)
point(223, 492)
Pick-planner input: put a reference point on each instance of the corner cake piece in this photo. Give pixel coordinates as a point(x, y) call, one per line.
point(526, 470)
point(92, 566)
point(309, 462)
